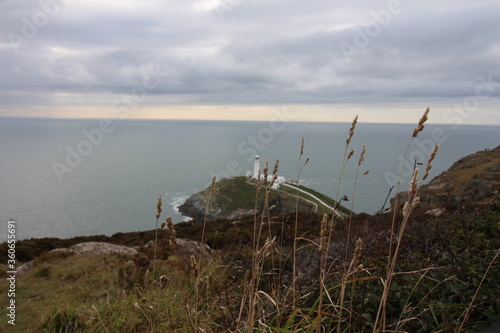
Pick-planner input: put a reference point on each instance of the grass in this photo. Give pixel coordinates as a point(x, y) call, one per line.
point(61, 282)
point(395, 272)
point(440, 268)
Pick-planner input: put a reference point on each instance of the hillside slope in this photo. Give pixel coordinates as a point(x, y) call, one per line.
point(471, 182)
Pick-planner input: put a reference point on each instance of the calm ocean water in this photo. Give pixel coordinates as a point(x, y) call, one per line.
point(63, 178)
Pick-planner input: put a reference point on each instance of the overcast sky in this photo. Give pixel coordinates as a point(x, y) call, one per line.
point(245, 59)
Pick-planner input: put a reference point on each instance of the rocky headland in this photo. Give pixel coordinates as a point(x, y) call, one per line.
point(235, 198)
point(471, 182)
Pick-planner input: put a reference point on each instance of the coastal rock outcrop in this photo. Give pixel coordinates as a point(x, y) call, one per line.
point(472, 181)
point(188, 247)
point(90, 248)
point(235, 198)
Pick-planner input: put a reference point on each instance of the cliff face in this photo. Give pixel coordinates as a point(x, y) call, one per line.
point(472, 181)
point(234, 198)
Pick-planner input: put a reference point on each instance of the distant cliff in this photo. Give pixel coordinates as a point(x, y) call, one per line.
point(235, 199)
point(471, 182)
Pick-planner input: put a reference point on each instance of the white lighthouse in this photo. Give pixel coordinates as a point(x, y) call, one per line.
point(256, 167)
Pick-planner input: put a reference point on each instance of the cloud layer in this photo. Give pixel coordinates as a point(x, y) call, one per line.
point(83, 54)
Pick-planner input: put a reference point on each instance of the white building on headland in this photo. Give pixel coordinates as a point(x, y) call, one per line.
point(256, 167)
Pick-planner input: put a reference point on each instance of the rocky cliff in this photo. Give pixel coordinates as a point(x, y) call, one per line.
point(234, 198)
point(471, 182)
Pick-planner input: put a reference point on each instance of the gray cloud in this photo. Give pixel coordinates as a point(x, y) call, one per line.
point(257, 52)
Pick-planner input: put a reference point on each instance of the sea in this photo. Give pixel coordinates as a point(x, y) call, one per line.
point(65, 177)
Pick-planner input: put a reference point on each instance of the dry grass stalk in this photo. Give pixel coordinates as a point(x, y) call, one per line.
point(356, 256)
point(356, 178)
point(158, 208)
point(322, 235)
point(351, 153)
point(194, 266)
point(302, 146)
point(266, 203)
point(342, 169)
point(324, 261)
point(421, 123)
point(294, 269)
point(213, 190)
point(429, 162)
point(275, 172)
point(322, 269)
point(380, 320)
point(412, 201)
point(266, 170)
point(158, 214)
point(351, 130)
point(197, 265)
point(362, 155)
point(354, 267)
point(172, 233)
point(170, 227)
point(412, 190)
point(257, 251)
point(140, 296)
point(258, 260)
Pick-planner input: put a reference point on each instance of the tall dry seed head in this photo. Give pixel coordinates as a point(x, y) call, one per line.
point(158, 208)
point(194, 266)
point(276, 166)
point(413, 185)
point(362, 155)
point(323, 234)
point(266, 170)
point(412, 201)
point(429, 162)
point(214, 189)
point(351, 130)
point(302, 146)
point(421, 122)
point(172, 233)
point(275, 172)
point(351, 153)
point(170, 226)
point(358, 250)
point(258, 181)
point(140, 296)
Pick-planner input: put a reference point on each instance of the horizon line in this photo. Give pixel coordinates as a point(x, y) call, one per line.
point(229, 120)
